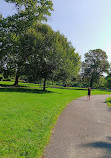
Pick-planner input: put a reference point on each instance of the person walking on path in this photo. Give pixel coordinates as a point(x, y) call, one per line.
point(82, 131)
point(89, 92)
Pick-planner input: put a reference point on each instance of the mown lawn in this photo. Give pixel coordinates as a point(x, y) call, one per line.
point(27, 116)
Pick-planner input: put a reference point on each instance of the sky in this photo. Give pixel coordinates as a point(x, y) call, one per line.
point(85, 23)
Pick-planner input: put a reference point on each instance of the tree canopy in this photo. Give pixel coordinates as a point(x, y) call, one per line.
point(39, 53)
point(48, 53)
point(33, 9)
point(33, 49)
point(12, 27)
point(95, 65)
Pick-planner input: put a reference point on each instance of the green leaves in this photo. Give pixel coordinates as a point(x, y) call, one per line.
point(95, 64)
point(48, 54)
point(34, 9)
point(34, 49)
point(14, 27)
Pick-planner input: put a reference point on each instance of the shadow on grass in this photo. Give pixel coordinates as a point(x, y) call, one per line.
point(23, 90)
point(107, 90)
point(5, 85)
point(101, 145)
point(70, 88)
point(109, 101)
point(83, 89)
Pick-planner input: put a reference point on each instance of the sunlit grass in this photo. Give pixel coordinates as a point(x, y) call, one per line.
point(27, 116)
point(108, 101)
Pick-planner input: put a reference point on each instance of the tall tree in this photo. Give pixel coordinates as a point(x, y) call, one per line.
point(12, 27)
point(95, 65)
point(70, 64)
point(48, 53)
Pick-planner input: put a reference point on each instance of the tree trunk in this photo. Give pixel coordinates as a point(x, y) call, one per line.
point(44, 84)
point(91, 82)
point(16, 80)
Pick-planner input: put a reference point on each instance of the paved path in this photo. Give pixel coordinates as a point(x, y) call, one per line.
point(83, 130)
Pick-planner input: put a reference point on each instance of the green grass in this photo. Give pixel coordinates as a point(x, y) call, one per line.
point(27, 116)
point(108, 101)
point(21, 84)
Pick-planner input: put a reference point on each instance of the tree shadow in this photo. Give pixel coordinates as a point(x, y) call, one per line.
point(5, 85)
point(107, 90)
point(101, 145)
point(24, 90)
point(83, 89)
point(109, 101)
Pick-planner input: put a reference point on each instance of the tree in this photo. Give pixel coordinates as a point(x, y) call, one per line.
point(108, 81)
point(12, 27)
point(95, 65)
point(48, 53)
point(32, 10)
point(70, 66)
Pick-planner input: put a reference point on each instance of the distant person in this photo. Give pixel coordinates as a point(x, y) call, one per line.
point(89, 92)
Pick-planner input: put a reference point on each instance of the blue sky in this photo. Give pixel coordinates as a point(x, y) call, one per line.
point(86, 23)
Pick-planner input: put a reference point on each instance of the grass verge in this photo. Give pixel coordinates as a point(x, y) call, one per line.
point(108, 101)
point(27, 116)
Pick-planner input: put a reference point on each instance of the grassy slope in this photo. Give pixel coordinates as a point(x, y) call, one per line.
point(27, 116)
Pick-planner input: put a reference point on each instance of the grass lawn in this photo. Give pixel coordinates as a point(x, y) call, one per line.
point(27, 116)
point(108, 101)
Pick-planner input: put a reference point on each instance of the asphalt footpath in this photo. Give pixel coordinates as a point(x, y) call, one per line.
point(83, 130)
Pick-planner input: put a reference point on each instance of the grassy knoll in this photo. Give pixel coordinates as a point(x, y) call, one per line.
point(27, 116)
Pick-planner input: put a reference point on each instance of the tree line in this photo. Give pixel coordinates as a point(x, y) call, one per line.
point(32, 49)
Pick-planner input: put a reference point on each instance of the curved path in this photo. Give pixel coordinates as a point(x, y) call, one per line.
point(83, 130)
